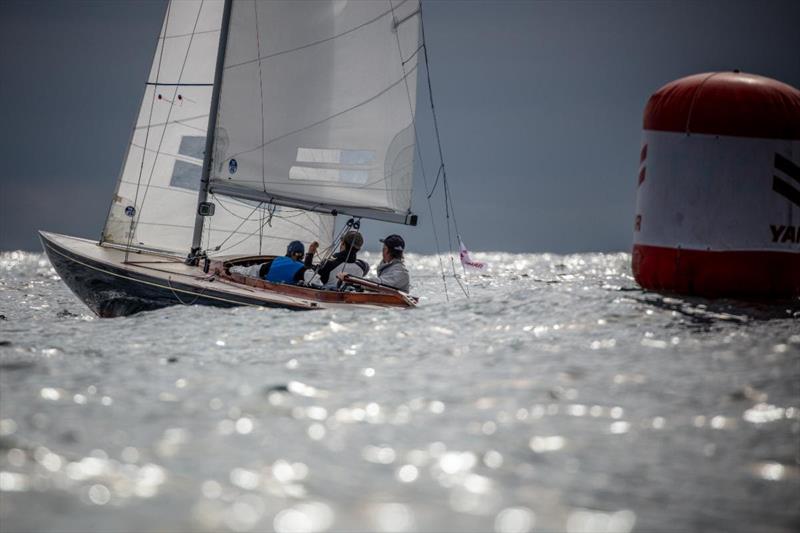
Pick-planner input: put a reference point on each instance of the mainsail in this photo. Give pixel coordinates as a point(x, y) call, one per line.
point(317, 105)
point(155, 201)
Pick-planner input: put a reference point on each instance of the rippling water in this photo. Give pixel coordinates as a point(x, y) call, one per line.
point(557, 398)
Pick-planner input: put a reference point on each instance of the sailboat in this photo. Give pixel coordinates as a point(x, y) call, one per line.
point(261, 123)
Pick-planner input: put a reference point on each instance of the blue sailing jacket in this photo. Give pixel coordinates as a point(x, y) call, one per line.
point(283, 270)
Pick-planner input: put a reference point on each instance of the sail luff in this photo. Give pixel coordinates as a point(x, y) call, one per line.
point(202, 195)
point(104, 233)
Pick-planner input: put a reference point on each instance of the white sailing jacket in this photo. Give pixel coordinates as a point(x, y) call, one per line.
point(394, 274)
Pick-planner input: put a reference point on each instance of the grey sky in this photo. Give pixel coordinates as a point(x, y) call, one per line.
point(539, 106)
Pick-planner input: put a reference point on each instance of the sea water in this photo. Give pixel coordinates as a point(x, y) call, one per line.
point(557, 397)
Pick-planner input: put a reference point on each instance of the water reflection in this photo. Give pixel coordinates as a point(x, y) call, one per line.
point(556, 399)
point(514, 520)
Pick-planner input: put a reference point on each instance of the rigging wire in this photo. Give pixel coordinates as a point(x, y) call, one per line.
point(442, 172)
point(261, 100)
point(294, 213)
point(330, 117)
point(169, 114)
point(435, 183)
point(270, 212)
point(260, 58)
point(261, 232)
point(328, 253)
point(239, 226)
point(416, 138)
point(135, 216)
point(449, 209)
point(263, 155)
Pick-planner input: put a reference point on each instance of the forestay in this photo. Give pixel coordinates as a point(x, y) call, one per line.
point(156, 198)
point(317, 103)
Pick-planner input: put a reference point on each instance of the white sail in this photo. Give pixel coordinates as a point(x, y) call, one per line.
point(156, 198)
point(317, 103)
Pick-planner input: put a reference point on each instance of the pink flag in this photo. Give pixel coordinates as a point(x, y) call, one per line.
point(466, 260)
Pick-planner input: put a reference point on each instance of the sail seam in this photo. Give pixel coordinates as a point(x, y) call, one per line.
point(366, 186)
point(158, 83)
point(338, 114)
point(184, 226)
point(177, 36)
point(169, 113)
point(137, 216)
point(177, 157)
point(162, 187)
point(182, 122)
point(315, 43)
point(334, 186)
point(249, 194)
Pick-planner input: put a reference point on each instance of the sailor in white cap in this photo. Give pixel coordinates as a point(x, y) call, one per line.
point(392, 270)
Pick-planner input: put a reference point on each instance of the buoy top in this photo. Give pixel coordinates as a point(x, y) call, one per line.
point(726, 103)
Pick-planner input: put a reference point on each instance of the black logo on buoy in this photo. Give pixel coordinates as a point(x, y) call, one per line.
point(783, 187)
point(642, 167)
point(232, 166)
point(784, 234)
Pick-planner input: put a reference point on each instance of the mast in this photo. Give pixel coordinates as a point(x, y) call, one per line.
point(205, 209)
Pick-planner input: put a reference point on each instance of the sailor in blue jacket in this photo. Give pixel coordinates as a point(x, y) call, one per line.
point(288, 268)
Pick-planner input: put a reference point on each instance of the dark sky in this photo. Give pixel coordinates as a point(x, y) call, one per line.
point(539, 106)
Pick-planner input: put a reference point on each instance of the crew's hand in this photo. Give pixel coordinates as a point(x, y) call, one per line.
point(340, 276)
point(312, 248)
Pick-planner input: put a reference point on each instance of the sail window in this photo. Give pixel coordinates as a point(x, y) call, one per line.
point(343, 157)
point(192, 146)
point(351, 177)
point(185, 175)
point(337, 165)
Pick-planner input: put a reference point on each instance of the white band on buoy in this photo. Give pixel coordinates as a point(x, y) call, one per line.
point(709, 192)
point(718, 192)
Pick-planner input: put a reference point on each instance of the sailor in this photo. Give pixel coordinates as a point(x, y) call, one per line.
point(345, 261)
point(392, 270)
point(288, 268)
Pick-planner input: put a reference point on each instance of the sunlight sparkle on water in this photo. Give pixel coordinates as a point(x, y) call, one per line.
point(393, 517)
point(536, 405)
point(514, 520)
point(7, 427)
point(590, 521)
point(762, 413)
point(310, 517)
point(547, 444)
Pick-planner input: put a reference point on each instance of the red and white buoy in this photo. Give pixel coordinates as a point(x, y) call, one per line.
point(718, 202)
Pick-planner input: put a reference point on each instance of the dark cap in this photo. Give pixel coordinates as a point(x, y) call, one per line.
point(353, 239)
point(295, 247)
point(394, 242)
